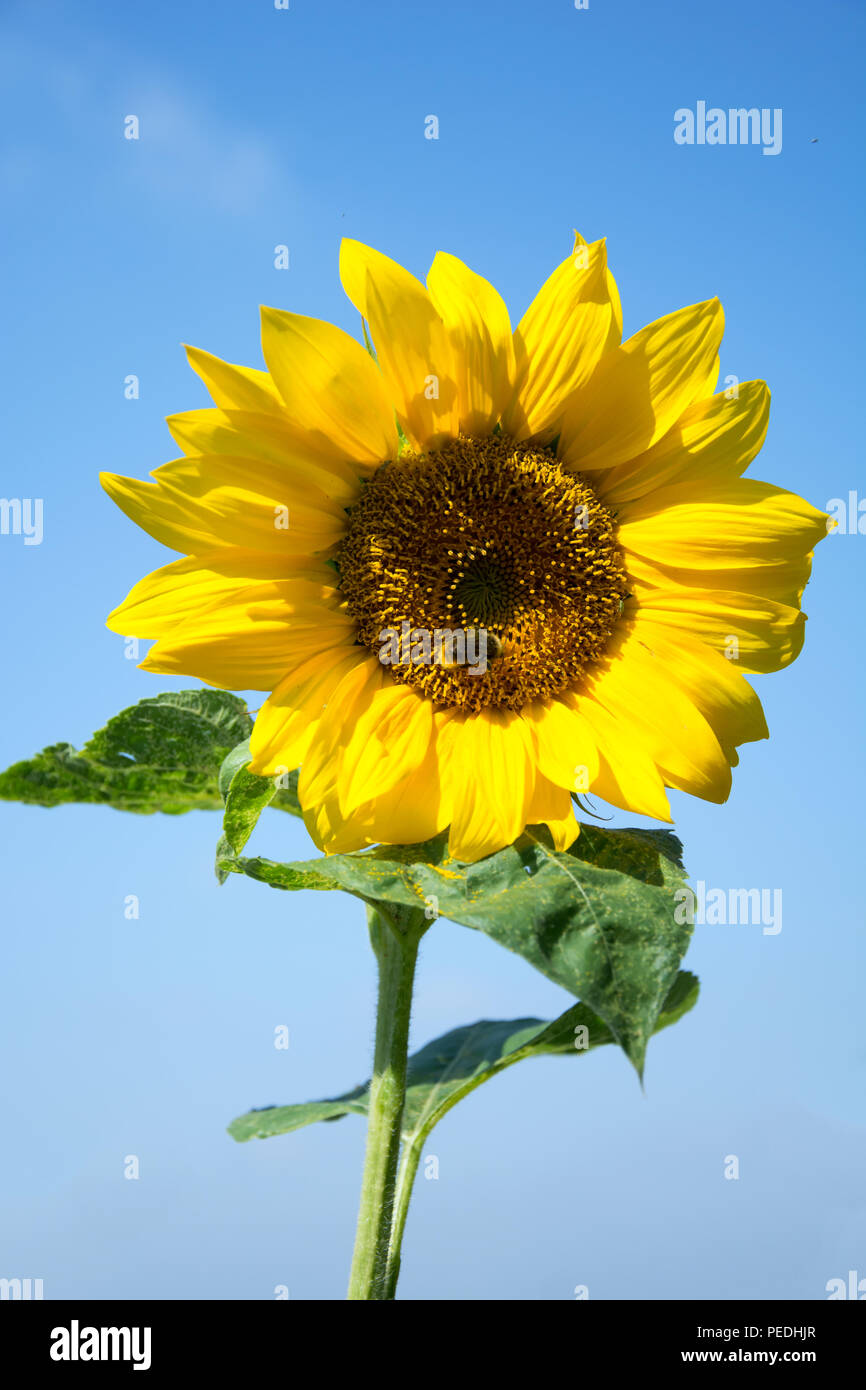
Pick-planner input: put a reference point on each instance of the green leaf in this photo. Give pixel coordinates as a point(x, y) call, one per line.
point(284, 789)
point(446, 1070)
point(232, 763)
point(246, 795)
point(163, 754)
point(247, 798)
point(600, 919)
point(286, 798)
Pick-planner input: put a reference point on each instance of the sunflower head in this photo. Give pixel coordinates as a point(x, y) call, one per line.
point(485, 570)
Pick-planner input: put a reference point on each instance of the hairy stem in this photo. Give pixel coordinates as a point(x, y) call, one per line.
point(395, 940)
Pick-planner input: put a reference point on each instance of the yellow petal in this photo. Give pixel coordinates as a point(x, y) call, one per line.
point(643, 696)
point(754, 632)
point(713, 684)
point(347, 702)
point(411, 342)
point(250, 642)
point(713, 440)
point(573, 320)
point(301, 460)
point(416, 809)
point(162, 515)
point(169, 596)
point(553, 807)
point(566, 752)
point(492, 772)
point(388, 740)
point(194, 511)
point(479, 331)
point(720, 525)
point(199, 475)
point(616, 309)
point(641, 388)
point(250, 503)
point(288, 719)
point(627, 776)
point(783, 581)
point(235, 388)
point(331, 386)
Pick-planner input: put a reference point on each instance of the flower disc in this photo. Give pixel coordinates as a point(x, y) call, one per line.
point(494, 540)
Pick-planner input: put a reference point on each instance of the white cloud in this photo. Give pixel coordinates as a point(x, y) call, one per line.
point(187, 151)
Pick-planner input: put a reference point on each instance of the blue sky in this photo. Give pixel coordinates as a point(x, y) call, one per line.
point(259, 128)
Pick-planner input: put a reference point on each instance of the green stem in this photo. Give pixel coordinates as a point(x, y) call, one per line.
point(412, 1150)
point(405, 1182)
point(395, 942)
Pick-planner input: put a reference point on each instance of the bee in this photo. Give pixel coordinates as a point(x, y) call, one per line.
point(485, 642)
point(495, 648)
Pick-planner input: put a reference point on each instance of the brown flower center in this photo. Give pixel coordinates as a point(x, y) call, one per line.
point(483, 574)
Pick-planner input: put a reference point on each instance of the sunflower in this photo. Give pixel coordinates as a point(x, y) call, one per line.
point(571, 505)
